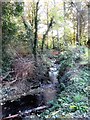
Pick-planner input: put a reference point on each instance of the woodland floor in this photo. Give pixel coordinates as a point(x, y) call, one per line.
point(61, 77)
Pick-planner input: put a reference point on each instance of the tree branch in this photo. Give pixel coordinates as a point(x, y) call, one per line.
point(44, 36)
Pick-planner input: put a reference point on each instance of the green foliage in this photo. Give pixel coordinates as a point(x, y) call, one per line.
point(14, 37)
point(18, 8)
point(78, 97)
point(72, 99)
point(8, 14)
point(65, 63)
point(9, 30)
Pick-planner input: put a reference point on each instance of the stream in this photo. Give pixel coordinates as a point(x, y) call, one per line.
point(36, 100)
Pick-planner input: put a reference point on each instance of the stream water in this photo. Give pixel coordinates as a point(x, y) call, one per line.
point(32, 101)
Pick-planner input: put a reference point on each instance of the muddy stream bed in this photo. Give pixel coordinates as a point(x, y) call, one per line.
point(25, 103)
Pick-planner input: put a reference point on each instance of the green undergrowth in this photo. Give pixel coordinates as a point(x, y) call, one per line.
point(72, 99)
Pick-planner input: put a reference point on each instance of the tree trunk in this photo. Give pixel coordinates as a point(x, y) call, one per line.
point(57, 40)
point(53, 40)
point(74, 28)
point(1, 47)
point(64, 36)
point(36, 29)
point(44, 36)
point(88, 42)
point(29, 31)
point(78, 36)
point(47, 27)
point(1, 33)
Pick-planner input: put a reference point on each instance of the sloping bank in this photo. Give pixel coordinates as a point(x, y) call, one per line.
point(73, 77)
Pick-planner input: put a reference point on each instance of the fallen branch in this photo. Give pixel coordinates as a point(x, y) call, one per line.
point(11, 117)
point(35, 109)
point(27, 112)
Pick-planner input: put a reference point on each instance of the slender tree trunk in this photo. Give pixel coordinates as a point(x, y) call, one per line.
point(1, 66)
point(1, 50)
point(88, 42)
point(74, 39)
point(36, 29)
point(78, 36)
point(47, 26)
point(44, 36)
point(0, 29)
point(64, 36)
point(57, 39)
point(29, 31)
point(74, 34)
point(53, 40)
point(77, 40)
point(33, 13)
